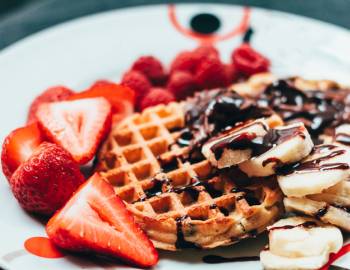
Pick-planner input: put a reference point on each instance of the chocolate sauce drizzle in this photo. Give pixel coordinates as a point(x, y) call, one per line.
point(306, 224)
point(315, 164)
point(180, 240)
point(209, 113)
point(316, 109)
point(258, 145)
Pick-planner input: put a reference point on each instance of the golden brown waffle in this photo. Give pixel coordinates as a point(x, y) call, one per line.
point(180, 203)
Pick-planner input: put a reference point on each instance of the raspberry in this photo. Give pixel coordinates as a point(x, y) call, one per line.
point(152, 68)
point(248, 61)
point(231, 73)
point(184, 61)
point(157, 96)
point(138, 82)
point(206, 50)
point(211, 73)
point(181, 84)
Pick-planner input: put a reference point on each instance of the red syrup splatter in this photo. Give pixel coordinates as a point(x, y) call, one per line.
point(335, 256)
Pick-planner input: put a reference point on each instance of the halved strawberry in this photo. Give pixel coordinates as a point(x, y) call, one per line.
point(52, 94)
point(78, 126)
point(122, 98)
point(95, 219)
point(18, 146)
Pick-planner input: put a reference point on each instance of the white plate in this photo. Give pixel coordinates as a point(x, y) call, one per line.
point(103, 46)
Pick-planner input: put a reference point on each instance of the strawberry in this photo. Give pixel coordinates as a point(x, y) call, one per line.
point(18, 147)
point(44, 182)
point(122, 98)
point(79, 126)
point(96, 220)
point(52, 94)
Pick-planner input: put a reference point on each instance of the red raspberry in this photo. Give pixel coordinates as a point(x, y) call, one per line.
point(139, 83)
point(248, 61)
point(206, 50)
point(152, 68)
point(43, 183)
point(231, 72)
point(157, 96)
point(184, 61)
point(182, 84)
point(52, 94)
point(211, 73)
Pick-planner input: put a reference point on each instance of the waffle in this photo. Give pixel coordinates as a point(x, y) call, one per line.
point(181, 202)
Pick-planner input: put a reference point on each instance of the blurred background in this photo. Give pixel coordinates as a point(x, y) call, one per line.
point(20, 18)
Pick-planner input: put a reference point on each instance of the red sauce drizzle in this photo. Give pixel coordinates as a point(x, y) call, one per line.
point(335, 256)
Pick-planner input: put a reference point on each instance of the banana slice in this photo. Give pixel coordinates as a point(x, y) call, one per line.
point(300, 243)
point(335, 195)
point(233, 147)
point(342, 134)
point(334, 214)
point(326, 166)
point(281, 145)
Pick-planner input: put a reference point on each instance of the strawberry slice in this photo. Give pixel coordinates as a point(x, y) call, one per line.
point(52, 94)
point(18, 146)
point(78, 126)
point(122, 98)
point(95, 219)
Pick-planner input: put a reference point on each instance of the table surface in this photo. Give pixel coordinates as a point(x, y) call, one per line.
point(20, 18)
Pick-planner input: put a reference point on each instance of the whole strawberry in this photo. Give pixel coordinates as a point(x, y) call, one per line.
point(44, 182)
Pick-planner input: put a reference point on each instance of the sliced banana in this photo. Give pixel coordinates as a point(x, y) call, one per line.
point(326, 166)
point(284, 145)
point(327, 213)
point(300, 243)
point(342, 134)
point(335, 195)
point(232, 147)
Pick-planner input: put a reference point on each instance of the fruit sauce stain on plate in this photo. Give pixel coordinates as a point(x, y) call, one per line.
point(42, 247)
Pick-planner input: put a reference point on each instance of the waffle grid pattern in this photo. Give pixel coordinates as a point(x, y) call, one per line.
point(172, 197)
